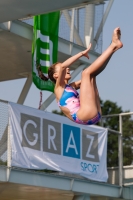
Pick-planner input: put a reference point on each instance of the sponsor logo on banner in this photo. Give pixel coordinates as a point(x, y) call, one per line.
point(42, 140)
point(65, 140)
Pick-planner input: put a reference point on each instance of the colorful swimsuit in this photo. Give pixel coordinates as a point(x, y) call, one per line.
point(70, 99)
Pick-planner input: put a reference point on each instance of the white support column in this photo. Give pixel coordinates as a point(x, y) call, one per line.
point(76, 35)
point(51, 98)
point(9, 25)
point(72, 30)
point(25, 90)
point(110, 3)
point(89, 24)
point(77, 19)
point(81, 197)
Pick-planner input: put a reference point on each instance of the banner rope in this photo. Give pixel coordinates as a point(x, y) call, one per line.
point(40, 103)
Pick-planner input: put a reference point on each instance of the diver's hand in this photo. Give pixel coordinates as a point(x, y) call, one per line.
point(85, 53)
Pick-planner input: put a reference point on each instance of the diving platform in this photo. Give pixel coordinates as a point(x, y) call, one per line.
point(12, 10)
point(31, 185)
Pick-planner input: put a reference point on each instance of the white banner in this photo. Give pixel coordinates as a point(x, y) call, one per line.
point(42, 140)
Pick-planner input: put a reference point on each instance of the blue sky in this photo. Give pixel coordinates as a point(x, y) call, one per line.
point(114, 83)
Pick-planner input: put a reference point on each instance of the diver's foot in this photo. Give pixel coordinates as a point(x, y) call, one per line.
point(116, 43)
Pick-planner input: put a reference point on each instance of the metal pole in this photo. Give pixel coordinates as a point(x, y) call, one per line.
point(72, 30)
point(76, 34)
point(101, 122)
point(114, 115)
point(8, 152)
point(120, 154)
point(113, 131)
point(103, 21)
point(89, 24)
point(77, 19)
point(25, 90)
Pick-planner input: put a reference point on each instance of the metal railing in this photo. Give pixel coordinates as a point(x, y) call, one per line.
point(120, 141)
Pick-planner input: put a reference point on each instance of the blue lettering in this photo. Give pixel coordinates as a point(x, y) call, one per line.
point(71, 141)
point(89, 167)
point(85, 166)
point(82, 166)
point(95, 168)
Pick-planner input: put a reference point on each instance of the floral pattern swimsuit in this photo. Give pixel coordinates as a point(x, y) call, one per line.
point(70, 99)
